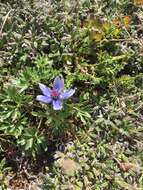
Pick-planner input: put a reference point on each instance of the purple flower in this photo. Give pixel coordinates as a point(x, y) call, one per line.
point(55, 95)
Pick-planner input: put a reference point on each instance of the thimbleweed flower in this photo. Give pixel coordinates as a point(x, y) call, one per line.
point(55, 95)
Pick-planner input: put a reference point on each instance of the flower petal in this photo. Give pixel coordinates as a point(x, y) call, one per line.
point(67, 94)
point(57, 105)
point(58, 84)
point(45, 90)
point(44, 99)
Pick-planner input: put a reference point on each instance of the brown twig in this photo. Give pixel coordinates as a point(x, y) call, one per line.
point(3, 24)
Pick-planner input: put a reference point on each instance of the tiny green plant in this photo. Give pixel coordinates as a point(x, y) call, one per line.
point(3, 172)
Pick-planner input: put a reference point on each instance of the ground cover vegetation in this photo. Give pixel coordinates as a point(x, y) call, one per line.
point(94, 140)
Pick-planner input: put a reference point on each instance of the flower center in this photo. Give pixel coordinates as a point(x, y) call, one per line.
point(55, 93)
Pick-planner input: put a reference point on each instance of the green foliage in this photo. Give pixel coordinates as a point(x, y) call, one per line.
point(101, 151)
point(3, 171)
point(97, 47)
